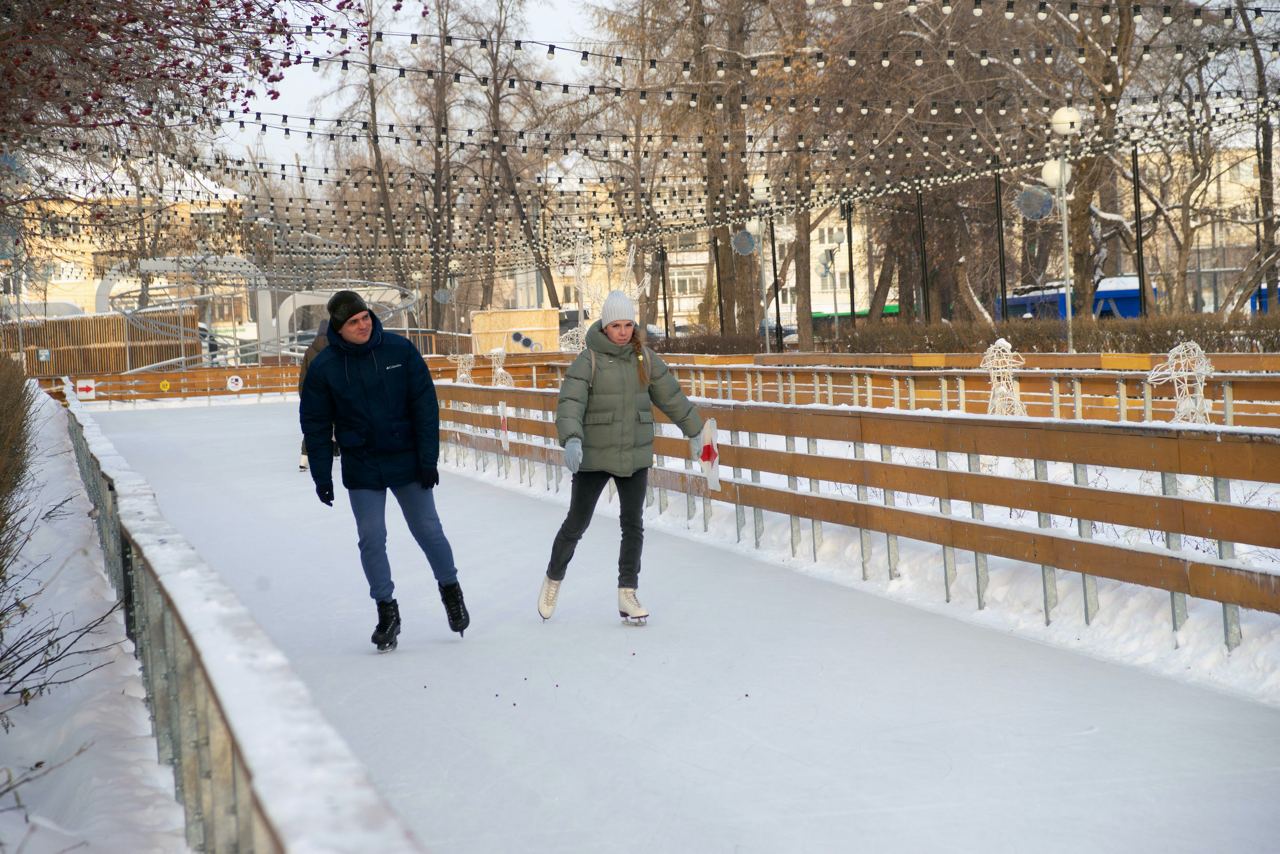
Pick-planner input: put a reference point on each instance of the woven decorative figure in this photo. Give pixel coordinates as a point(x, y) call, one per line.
point(501, 379)
point(1187, 369)
point(1000, 361)
point(465, 362)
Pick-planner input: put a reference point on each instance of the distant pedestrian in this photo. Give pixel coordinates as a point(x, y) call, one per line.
point(371, 389)
point(604, 420)
point(317, 344)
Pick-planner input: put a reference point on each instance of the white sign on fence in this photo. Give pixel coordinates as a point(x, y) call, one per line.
point(86, 389)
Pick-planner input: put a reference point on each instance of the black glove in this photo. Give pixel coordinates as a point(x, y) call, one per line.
point(429, 476)
point(324, 491)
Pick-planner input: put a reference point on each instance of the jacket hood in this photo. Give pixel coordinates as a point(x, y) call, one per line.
point(597, 340)
point(375, 339)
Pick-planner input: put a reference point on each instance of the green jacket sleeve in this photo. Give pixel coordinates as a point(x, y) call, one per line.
point(572, 402)
point(666, 394)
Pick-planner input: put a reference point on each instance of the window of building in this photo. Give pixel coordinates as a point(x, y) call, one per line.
point(687, 282)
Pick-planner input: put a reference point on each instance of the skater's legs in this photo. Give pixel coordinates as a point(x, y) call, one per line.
point(369, 507)
point(419, 508)
point(587, 486)
point(631, 493)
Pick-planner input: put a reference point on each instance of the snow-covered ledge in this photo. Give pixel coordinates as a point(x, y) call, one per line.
point(257, 767)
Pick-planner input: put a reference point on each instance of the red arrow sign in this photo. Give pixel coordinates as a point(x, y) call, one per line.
point(83, 388)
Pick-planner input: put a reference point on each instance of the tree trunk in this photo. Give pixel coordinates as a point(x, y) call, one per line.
point(883, 283)
point(394, 245)
point(804, 297)
point(1266, 162)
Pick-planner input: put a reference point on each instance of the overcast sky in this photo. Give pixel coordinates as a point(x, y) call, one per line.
point(560, 22)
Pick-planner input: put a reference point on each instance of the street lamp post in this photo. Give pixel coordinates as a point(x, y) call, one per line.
point(1056, 174)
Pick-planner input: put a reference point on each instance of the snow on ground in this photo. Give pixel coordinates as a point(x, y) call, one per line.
point(110, 793)
point(761, 710)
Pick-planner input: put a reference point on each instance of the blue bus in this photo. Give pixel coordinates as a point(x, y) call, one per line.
point(1262, 301)
point(1113, 296)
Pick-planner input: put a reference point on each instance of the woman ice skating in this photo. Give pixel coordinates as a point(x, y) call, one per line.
point(604, 420)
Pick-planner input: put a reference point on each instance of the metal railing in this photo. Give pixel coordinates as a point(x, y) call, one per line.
point(227, 712)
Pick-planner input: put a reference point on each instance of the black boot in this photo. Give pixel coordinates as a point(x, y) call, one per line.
point(451, 596)
point(388, 628)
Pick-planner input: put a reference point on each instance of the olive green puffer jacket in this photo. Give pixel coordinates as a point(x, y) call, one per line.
point(611, 412)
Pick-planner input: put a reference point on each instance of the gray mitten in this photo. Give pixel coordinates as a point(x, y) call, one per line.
point(573, 455)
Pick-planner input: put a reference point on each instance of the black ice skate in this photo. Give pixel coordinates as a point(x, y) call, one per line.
point(388, 628)
point(455, 607)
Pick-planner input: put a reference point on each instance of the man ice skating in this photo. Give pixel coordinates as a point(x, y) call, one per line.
point(370, 390)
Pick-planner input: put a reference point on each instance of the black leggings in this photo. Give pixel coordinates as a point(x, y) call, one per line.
point(587, 486)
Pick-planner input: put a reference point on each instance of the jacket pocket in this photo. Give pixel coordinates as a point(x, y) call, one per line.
point(598, 418)
point(395, 436)
point(349, 438)
point(644, 433)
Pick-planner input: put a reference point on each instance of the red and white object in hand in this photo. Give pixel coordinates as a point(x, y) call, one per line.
point(709, 458)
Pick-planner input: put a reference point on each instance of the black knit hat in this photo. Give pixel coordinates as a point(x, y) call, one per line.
point(343, 306)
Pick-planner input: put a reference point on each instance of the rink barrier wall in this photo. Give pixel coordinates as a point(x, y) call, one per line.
point(516, 426)
point(256, 767)
point(1235, 399)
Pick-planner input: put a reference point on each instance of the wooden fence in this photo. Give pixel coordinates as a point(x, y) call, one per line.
point(1241, 400)
point(86, 345)
point(880, 488)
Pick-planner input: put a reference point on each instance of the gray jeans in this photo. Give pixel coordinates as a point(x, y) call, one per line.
point(587, 486)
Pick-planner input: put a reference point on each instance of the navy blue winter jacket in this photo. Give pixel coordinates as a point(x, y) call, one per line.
point(378, 400)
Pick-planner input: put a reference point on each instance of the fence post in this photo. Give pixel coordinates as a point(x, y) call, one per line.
point(1084, 527)
point(1077, 396)
point(911, 393)
point(960, 396)
point(757, 515)
point(1146, 400)
point(979, 558)
point(1055, 396)
point(1173, 542)
point(890, 500)
point(831, 390)
point(948, 553)
point(739, 514)
point(1122, 399)
point(897, 394)
point(1228, 404)
point(864, 536)
point(1048, 574)
point(1227, 551)
point(792, 484)
point(815, 525)
point(942, 393)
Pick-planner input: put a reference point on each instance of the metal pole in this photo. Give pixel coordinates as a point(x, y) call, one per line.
point(777, 291)
point(666, 299)
point(715, 258)
point(1004, 289)
point(835, 293)
point(1137, 227)
point(848, 244)
point(924, 259)
point(1263, 297)
point(1066, 244)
